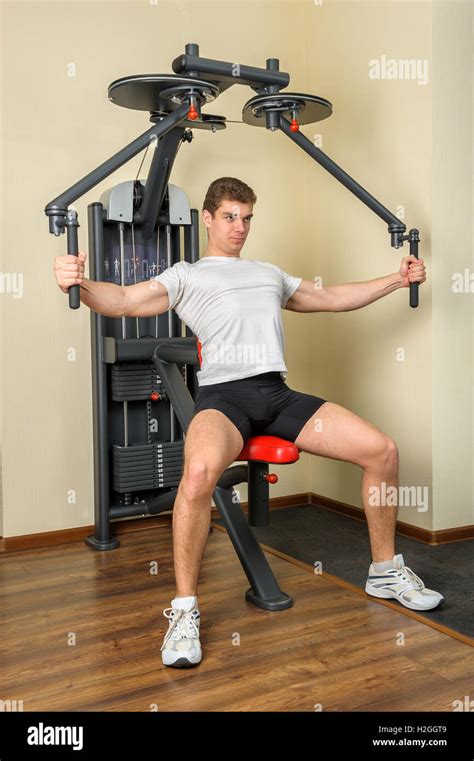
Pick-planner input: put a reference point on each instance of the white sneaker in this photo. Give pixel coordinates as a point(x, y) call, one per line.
point(181, 647)
point(403, 585)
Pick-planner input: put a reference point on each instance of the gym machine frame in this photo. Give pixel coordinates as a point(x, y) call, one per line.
point(174, 103)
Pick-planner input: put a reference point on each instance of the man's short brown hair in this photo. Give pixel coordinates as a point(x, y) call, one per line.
point(230, 189)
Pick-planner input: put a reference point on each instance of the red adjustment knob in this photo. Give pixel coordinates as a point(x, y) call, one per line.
point(154, 396)
point(192, 113)
point(294, 125)
point(272, 478)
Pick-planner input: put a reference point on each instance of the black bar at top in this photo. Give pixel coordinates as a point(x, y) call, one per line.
point(233, 73)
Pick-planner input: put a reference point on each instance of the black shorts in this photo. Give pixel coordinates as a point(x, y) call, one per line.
point(261, 404)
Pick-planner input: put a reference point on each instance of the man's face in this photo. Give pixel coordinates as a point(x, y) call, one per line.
point(229, 227)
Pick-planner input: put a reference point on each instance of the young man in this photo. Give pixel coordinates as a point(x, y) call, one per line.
point(233, 306)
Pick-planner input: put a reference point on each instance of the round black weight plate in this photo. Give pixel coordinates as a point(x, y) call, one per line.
point(309, 108)
point(159, 92)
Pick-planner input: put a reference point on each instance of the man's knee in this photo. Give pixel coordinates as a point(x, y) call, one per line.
point(388, 453)
point(199, 477)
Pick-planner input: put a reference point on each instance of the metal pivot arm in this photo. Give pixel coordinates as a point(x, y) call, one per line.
point(57, 209)
point(396, 228)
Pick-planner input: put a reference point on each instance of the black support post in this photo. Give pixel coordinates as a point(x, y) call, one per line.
point(102, 539)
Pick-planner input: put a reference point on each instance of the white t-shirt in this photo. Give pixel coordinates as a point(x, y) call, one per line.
point(233, 306)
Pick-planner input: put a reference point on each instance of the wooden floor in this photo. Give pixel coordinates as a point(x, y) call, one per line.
point(335, 647)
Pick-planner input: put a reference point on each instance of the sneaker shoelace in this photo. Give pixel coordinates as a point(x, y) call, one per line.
point(184, 626)
point(410, 576)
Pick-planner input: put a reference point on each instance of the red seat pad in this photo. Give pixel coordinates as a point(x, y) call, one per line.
point(269, 449)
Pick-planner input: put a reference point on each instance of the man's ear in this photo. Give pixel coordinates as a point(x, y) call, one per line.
point(206, 217)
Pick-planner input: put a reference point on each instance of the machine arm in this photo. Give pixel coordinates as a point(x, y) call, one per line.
point(57, 209)
point(396, 228)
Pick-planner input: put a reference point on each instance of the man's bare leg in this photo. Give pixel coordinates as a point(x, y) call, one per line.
point(212, 443)
point(339, 434)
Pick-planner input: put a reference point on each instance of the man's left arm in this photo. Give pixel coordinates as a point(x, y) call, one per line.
point(349, 296)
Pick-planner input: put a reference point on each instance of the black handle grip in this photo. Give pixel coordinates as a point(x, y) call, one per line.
point(414, 240)
point(414, 294)
point(73, 249)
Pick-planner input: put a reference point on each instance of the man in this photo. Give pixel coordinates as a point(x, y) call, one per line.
point(233, 306)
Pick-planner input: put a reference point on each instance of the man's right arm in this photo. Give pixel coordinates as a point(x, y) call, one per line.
point(145, 299)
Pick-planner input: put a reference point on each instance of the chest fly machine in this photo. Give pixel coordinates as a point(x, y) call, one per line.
point(144, 369)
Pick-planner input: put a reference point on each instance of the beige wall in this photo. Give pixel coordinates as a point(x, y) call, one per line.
point(56, 128)
point(452, 234)
point(410, 145)
point(380, 133)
